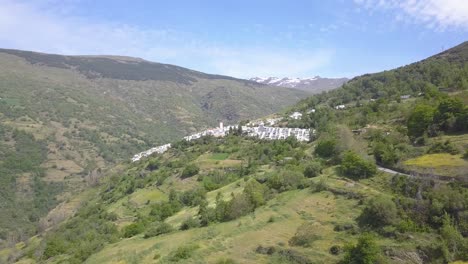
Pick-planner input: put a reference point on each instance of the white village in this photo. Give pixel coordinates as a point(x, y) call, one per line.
point(257, 129)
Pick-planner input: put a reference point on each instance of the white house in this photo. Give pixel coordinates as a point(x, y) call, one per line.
point(296, 115)
point(340, 107)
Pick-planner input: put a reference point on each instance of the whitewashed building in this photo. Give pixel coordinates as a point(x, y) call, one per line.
point(296, 115)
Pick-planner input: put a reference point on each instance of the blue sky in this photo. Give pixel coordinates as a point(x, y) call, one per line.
point(242, 38)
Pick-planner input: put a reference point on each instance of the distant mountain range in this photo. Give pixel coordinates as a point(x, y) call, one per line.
point(89, 112)
point(314, 85)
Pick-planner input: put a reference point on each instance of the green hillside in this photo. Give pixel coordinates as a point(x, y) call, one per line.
point(333, 200)
point(66, 119)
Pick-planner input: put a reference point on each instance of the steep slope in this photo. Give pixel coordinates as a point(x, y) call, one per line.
point(447, 71)
point(313, 85)
point(243, 200)
point(87, 112)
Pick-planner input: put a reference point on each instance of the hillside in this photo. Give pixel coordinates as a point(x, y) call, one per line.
point(65, 119)
point(314, 85)
point(333, 200)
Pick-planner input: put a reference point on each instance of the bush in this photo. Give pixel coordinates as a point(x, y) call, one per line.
point(326, 148)
point(183, 252)
point(133, 229)
point(190, 223)
point(366, 251)
point(419, 120)
point(313, 169)
point(379, 212)
point(305, 235)
point(189, 171)
point(291, 256)
point(321, 185)
point(158, 229)
point(385, 154)
point(446, 147)
point(285, 181)
point(356, 167)
point(335, 250)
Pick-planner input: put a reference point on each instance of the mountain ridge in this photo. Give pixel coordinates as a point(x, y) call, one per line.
point(310, 84)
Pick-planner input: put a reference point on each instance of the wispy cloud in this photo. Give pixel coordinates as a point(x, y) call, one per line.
point(439, 15)
point(33, 25)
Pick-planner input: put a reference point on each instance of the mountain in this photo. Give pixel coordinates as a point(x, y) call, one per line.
point(65, 119)
point(314, 85)
point(366, 188)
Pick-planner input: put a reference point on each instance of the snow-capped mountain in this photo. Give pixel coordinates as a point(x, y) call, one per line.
point(315, 84)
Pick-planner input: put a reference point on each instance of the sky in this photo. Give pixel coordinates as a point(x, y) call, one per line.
point(242, 38)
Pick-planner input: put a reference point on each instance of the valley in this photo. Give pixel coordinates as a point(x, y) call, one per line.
point(368, 170)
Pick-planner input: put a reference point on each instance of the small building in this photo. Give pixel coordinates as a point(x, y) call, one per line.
point(311, 111)
point(406, 96)
point(340, 107)
point(296, 115)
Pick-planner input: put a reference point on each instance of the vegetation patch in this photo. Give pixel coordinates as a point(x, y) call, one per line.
point(438, 160)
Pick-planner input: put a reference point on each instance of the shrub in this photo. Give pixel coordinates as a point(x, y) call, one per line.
point(225, 261)
point(189, 171)
point(445, 147)
point(326, 148)
point(291, 256)
point(385, 154)
point(354, 166)
point(419, 120)
point(190, 223)
point(335, 250)
point(239, 206)
point(158, 229)
point(286, 180)
point(182, 252)
point(313, 169)
point(321, 185)
point(133, 229)
point(366, 251)
point(379, 212)
point(305, 235)
point(193, 197)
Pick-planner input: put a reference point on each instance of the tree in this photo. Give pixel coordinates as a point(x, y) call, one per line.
point(447, 113)
point(379, 212)
point(206, 214)
point(189, 171)
point(420, 120)
point(255, 193)
point(354, 166)
point(385, 154)
point(326, 148)
point(366, 251)
point(313, 169)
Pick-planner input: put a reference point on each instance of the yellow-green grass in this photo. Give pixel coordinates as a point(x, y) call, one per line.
point(126, 207)
point(438, 160)
point(142, 196)
point(439, 164)
point(207, 161)
point(219, 156)
point(235, 187)
point(238, 239)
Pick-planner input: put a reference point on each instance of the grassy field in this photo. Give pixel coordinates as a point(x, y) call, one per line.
point(217, 160)
point(271, 225)
point(440, 164)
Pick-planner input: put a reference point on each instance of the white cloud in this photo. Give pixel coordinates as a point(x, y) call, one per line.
point(438, 15)
point(35, 26)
